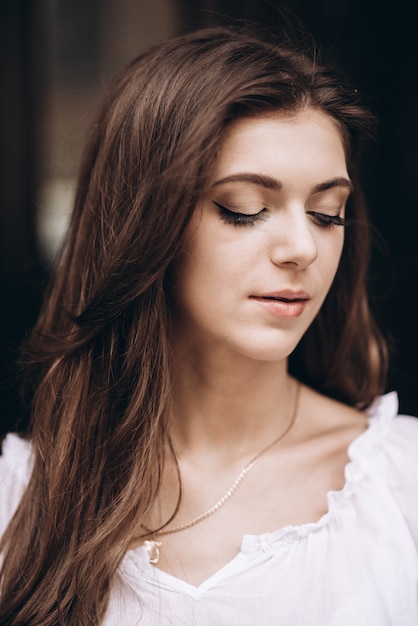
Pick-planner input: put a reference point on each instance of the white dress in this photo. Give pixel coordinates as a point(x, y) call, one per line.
point(356, 566)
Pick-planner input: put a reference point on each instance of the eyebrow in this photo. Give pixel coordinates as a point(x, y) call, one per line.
point(275, 185)
point(255, 179)
point(339, 181)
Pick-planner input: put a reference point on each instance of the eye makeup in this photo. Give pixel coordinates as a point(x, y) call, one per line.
point(323, 220)
point(239, 219)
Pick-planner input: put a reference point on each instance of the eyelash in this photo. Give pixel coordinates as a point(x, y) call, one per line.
point(244, 219)
point(326, 221)
point(239, 219)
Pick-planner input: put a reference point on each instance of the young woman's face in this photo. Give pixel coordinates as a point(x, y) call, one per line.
point(264, 243)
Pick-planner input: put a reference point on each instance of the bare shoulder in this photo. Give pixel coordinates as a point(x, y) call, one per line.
point(324, 417)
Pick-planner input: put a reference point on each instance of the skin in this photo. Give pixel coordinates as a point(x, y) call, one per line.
point(232, 395)
point(287, 248)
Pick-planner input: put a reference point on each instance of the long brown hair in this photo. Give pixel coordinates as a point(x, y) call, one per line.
point(99, 354)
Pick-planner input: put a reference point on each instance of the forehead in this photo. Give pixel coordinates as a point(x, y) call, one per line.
point(276, 144)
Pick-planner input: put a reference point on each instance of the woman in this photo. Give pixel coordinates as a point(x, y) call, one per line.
point(180, 467)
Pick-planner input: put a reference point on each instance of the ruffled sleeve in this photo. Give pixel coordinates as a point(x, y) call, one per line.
point(399, 457)
point(15, 468)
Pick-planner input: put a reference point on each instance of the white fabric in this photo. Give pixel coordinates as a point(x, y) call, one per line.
point(356, 566)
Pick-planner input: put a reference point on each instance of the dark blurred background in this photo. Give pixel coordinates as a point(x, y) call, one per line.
point(57, 57)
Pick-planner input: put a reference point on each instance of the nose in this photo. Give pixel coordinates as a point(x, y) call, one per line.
point(293, 239)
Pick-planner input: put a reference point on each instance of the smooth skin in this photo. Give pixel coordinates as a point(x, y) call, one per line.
point(271, 226)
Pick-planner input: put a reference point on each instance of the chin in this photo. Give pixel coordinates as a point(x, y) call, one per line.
point(266, 349)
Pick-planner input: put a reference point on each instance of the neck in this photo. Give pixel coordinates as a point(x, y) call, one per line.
point(228, 403)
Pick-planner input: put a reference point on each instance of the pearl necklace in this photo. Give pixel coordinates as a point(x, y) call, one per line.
point(153, 546)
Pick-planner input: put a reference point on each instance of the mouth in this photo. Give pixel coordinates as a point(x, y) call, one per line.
point(284, 303)
point(284, 296)
point(279, 299)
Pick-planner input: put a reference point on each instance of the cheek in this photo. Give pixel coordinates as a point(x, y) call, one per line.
point(339, 247)
point(329, 255)
point(210, 254)
point(203, 276)
point(334, 243)
point(195, 273)
point(208, 275)
point(331, 260)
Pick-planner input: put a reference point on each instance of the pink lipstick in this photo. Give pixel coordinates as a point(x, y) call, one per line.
point(285, 303)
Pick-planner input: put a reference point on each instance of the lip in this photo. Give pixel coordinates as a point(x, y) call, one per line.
point(285, 294)
point(284, 303)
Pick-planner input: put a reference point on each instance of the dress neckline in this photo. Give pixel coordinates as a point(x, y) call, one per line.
point(361, 453)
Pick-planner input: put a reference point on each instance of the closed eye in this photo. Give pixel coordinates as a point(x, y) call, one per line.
point(239, 219)
point(325, 220)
